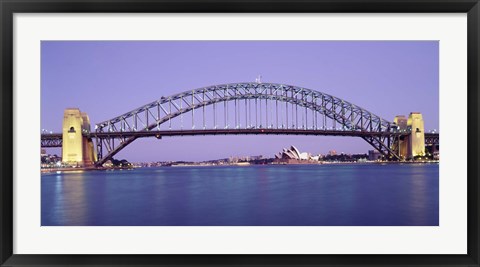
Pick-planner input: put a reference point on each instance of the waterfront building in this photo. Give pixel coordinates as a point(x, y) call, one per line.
point(332, 152)
point(293, 155)
point(374, 155)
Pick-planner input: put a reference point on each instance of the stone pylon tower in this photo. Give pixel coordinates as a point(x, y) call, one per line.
point(402, 145)
point(412, 141)
point(77, 149)
point(416, 140)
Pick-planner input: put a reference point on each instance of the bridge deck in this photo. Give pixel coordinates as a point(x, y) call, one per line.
point(55, 139)
point(225, 132)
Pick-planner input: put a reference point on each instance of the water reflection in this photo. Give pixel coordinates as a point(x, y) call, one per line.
point(70, 206)
point(255, 195)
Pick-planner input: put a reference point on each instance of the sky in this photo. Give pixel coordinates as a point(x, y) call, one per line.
point(108, 78)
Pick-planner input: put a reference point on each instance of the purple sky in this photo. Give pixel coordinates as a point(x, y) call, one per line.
point(107, 78)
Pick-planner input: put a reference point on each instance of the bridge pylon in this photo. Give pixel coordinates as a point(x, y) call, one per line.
point(77, 147)
point(410, 139)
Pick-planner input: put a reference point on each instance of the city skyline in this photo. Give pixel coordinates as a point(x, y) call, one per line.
point(106, 79)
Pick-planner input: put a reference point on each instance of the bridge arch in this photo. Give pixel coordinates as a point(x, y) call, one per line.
point(149, 118)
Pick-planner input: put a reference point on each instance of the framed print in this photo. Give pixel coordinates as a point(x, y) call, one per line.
point(239, 133)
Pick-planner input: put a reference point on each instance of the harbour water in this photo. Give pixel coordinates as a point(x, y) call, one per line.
point(256, 195)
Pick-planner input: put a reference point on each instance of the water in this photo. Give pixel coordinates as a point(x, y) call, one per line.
point(293, 195)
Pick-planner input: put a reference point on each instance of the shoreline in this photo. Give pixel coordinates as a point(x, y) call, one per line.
point(295, 163)
point(82, 169)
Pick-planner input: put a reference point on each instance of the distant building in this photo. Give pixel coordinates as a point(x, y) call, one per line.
point(374, 155)
point(332, 152)
point(50, 161)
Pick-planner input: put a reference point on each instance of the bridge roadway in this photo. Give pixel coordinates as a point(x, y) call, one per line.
point(237, 132)
point(54, 140)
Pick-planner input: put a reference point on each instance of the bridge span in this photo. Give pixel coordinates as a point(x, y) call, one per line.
point(245, 108)
point(55, 139)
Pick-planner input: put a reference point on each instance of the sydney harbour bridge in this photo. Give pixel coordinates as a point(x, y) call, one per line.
point(250, 108)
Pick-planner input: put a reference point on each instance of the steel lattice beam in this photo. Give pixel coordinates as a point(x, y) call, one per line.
point(51, 140)
point(432, 139)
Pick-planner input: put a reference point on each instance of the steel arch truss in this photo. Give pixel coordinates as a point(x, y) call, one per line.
point(268, 96)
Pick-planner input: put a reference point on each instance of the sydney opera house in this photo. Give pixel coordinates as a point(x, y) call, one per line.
point(293, 156)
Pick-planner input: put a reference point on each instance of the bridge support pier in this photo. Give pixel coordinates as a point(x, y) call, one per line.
point(411, 141)
point(77, 148)
point(98, 142)
point(416, 141)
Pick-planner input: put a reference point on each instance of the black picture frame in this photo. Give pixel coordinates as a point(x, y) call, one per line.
point(9, 7)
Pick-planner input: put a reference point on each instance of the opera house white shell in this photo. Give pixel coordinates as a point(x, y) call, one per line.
point(293, 153)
